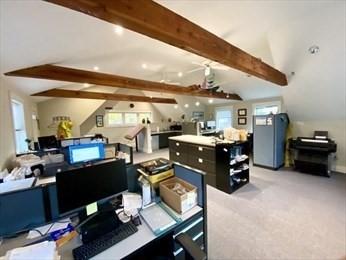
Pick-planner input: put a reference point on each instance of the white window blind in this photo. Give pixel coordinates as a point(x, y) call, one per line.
point(223, 119)
point(19, 126)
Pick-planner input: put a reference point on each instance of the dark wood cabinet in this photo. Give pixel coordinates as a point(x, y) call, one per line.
point(218, 161)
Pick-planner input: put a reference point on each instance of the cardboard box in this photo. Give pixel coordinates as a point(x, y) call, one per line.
point(180, 203)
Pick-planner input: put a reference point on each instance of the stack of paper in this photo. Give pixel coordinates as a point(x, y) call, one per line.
point(43, 251)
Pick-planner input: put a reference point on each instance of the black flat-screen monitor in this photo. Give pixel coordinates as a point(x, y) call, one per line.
point(47, 142)
point(21, 211)
point(80, 187)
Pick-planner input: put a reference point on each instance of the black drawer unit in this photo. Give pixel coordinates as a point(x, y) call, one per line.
point(201, 164)
point(203, 152)
point(215, 161)
point(178, 156)
point(194, 229)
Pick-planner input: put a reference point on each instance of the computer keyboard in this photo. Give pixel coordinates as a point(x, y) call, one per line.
point(104, 242)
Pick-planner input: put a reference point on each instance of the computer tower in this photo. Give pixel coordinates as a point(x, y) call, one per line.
point(269, 136)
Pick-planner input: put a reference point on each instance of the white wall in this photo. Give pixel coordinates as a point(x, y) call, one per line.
point(116, 134)
point(7, 139)
point(77, 109)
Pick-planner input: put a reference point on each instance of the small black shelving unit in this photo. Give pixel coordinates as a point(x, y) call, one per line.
point(230, 173)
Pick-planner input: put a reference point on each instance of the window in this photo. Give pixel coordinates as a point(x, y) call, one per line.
point(267, 108)
point(131, 118)
point(223, 118)
point(19, 126)
point(114, 118)
point(118, 119)
point(144, 115)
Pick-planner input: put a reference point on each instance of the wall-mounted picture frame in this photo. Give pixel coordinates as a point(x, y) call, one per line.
point(99, 120)
point(198, 115)
point(242, 121)
point(242, 112)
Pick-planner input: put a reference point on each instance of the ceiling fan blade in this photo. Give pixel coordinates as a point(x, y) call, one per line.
point(219, 67)
point(197, 63)
point(194, 70)
point(223, 83)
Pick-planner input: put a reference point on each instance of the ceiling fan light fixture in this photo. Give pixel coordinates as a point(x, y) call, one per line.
point(207, 71)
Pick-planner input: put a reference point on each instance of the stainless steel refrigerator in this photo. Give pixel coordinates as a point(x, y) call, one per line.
point(269, 136)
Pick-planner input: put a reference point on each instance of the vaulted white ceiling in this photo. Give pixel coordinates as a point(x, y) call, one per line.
point(279, 32)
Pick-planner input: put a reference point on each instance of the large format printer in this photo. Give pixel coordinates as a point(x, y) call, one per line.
point(313, 154)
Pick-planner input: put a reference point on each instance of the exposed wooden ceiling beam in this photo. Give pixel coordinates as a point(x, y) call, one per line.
point(156, 21)
point(53, 72)
point(63, 93)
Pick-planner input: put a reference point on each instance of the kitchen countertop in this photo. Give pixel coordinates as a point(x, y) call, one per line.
point(165, 132)
point(197, 139)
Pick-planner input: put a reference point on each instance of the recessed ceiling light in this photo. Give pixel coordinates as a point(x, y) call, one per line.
point(186, 105)
point(151, 96)
point(118, 29)
point(197, 103)
point(175, 106)
point(86, 85)
point(144, 66)
point(210, 101)
point(314, 49)
point(96, 68)
point(227, 96)
point(180, 74)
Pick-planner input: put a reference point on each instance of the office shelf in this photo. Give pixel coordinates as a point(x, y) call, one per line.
point(225, 153)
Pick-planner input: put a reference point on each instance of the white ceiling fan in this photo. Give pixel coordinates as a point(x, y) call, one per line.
point(164, 79)
point(207, 66)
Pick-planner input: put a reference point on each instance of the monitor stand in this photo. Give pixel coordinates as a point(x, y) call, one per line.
point(103, 222)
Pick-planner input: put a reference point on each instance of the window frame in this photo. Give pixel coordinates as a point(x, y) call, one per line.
point(224, 108)
point(23, 129)
point(123, 113)
point(266, 104)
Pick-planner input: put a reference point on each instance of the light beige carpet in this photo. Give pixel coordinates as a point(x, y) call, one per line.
point(279, 215)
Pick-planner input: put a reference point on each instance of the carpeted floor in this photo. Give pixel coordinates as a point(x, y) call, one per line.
point(278, 215)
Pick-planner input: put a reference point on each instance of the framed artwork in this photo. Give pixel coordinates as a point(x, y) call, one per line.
point(242, 112)
point(198, 115)
point(99, 120)
point(241, 120)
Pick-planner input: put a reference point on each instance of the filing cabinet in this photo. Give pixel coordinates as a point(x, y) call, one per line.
point(201, 157)
point(214, 160)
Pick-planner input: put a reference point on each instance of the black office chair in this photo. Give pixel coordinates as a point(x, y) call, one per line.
point(192, 250)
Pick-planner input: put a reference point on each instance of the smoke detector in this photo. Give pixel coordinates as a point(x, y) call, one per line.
point(314, 49)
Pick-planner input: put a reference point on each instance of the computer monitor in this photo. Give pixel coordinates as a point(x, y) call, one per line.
point(211, 124)
point(86, 152)
point(21, 210)
point(80, 187)
point(47, 142)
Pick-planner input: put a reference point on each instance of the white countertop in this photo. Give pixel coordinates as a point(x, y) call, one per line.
point(198, 139)
point(195, 139)
point(165, 131)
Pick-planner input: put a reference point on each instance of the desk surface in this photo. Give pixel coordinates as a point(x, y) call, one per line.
point(119, 250)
